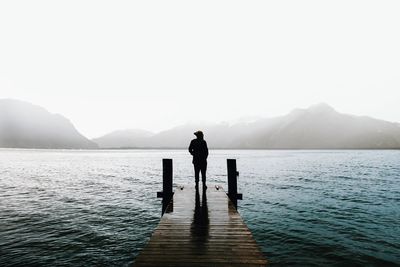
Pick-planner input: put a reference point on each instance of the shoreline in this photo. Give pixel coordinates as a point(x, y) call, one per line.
point(180, 148)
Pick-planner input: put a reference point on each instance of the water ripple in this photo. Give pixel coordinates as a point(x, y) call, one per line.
point(99, 208)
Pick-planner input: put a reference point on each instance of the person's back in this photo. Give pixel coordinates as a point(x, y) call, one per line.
point(199, 150)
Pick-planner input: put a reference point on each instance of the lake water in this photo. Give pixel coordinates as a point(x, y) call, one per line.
point(99, 208)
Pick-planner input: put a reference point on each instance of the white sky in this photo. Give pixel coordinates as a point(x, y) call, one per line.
point(110, 65)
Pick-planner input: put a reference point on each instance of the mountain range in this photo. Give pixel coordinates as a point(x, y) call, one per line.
point(317, 127)
point(23, 125)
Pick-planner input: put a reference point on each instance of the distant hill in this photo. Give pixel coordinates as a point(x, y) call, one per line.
point(318, 127)
point(23, 125)
point(123, 138)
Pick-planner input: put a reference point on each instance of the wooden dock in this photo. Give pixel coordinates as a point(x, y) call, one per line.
point(201, 228)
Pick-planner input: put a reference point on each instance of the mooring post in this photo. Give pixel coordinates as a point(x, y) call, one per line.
point(232, 182)
point(167, 192)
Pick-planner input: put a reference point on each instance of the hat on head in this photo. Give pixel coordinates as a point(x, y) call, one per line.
point(198, 134)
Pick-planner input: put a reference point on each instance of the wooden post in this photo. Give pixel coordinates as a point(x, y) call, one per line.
point(232, 182)
point(167, 192)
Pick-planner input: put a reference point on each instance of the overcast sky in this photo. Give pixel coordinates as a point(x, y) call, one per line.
point(110, 65)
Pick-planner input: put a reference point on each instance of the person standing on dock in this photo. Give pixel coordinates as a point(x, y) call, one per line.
point(199, 150)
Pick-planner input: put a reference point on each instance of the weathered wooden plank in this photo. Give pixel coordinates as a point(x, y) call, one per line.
point(201, 229)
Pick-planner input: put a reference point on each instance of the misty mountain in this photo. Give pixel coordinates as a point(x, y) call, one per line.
point(318, 127)
point(123, 138)
point(23, 125)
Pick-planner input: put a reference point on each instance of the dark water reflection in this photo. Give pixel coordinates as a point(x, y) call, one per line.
point(200, 224)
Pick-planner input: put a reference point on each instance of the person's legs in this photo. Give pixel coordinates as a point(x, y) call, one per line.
point(203, 173)
point(196, 174)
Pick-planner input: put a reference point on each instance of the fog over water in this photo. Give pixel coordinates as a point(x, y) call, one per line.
point(304, 94)
point(320, 126)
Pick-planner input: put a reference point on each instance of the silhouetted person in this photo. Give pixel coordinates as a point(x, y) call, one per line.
point(199, 150)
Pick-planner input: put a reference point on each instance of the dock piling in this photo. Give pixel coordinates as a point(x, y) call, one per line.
point(167, 192)
point(232, 182)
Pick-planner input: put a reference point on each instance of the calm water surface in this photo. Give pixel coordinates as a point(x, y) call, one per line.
point(99, 208)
